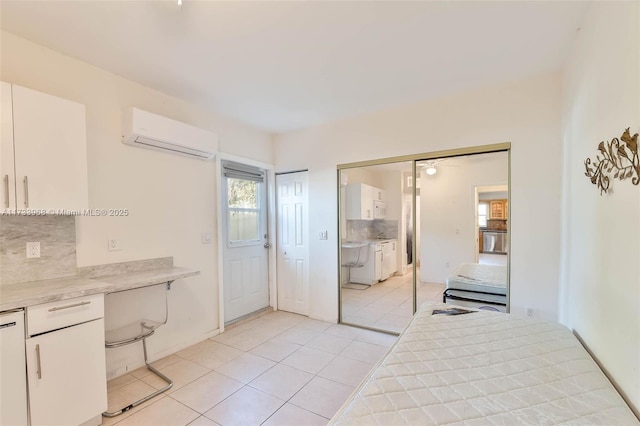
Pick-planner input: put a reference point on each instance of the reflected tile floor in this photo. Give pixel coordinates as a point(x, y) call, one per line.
point(278, 369)
point(387, 305)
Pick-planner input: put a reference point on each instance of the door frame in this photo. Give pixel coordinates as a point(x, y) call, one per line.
point(271, 226)
point(478, 189)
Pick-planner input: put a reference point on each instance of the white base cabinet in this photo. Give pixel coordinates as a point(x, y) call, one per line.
point(66, 369)
point(13, 383)
point(389, 259)
point(381, 263)
point(370, 271)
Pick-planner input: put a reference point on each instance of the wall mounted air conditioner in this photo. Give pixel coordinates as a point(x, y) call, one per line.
point(147, 130)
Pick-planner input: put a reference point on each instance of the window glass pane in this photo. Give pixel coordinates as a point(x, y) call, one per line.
point(483, 209)
point(482, 221)
point(242, 193)
point(243, 226)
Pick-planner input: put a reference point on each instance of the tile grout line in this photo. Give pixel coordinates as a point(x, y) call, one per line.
point(321, 332)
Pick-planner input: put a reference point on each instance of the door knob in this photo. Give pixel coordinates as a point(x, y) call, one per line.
point(267, 245)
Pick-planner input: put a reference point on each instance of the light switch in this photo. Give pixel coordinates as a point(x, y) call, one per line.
point(324, 235)
point(206, 238)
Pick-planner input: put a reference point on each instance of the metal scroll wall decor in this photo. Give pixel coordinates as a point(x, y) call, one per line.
point(618, 159)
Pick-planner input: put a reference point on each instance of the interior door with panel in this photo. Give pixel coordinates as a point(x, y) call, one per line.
point(293, 242)
point(245, 240)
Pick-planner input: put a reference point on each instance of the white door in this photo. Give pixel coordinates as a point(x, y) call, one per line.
point(245, 240)
point(293, 242)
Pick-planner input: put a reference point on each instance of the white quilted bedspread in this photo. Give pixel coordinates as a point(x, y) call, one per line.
point(485, 368)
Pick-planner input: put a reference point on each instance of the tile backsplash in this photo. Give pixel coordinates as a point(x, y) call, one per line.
point(57, 237)
point(497, 224)
point(359, 230)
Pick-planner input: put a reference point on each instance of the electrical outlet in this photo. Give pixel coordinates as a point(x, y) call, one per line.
point(114, 244)
point(33, 250)
point(324, 235)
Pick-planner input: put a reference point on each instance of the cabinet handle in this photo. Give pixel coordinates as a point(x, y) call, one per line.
point(26, 191)
point(38, 366)
point(75, 305)
point(6, 191)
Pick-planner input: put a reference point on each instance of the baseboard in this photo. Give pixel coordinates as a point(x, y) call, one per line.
point(324, 318)
point(617, 387)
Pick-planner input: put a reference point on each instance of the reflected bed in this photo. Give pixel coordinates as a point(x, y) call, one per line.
point(478, 286)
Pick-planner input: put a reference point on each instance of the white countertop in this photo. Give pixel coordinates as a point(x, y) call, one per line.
point(379, 240)
point(26, 294)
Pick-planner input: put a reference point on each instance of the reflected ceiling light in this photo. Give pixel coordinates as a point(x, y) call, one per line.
point(431, 170)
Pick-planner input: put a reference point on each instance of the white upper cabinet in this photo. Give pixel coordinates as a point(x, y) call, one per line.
point(48, 145)
point(7, 171)
point(364, 202)
point(378, 194)
point(359, 201)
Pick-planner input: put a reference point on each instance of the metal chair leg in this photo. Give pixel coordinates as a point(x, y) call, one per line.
point(148, 397)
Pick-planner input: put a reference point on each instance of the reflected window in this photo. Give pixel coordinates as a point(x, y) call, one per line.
point(483, 214)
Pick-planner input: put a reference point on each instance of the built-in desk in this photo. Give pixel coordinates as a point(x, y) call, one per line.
point(31, 293)
point(65, 344)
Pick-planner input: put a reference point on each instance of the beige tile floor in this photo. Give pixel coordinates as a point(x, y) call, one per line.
point(387, 305)
point(278, 369)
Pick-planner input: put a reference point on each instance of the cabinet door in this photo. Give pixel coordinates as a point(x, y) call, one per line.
point(366, 202)
point(377, 267)
point(13, 386)
point(393, 261)
point(496, 209)
point(7, 172)
point(67, 375)
point(50, 144)
point(359, 201)
point(378, 194)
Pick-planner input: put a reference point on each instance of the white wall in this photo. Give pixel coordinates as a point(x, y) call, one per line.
point(448, 218)
point(172, 199)
point(601, 244)
point(525, 113)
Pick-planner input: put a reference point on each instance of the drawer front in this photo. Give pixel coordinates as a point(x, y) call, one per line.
point(63, 313)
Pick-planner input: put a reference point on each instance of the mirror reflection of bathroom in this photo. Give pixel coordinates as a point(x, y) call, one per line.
point(376, 228)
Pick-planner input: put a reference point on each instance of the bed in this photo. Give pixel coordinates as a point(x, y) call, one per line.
point(477, 286)
point(484, 368)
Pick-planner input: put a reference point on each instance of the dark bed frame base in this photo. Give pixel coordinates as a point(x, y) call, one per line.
point(446, 295)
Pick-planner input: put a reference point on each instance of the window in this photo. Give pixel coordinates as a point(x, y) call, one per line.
point(244, 193)
point(244, 210)
point(483, 213)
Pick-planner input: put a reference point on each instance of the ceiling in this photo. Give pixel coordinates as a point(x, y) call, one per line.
point(281, 66)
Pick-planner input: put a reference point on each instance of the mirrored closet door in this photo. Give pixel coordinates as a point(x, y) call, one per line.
point(425, 230)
